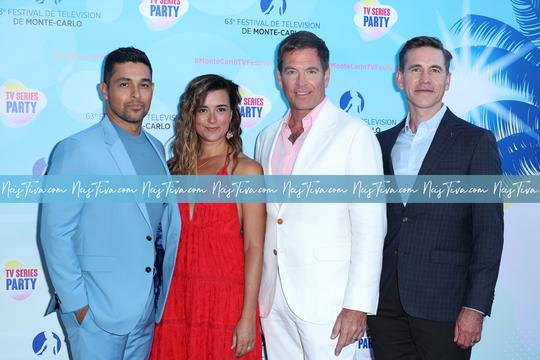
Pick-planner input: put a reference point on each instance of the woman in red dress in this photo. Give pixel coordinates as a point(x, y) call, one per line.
point(211, 310)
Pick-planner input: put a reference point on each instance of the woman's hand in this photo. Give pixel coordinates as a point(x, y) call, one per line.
point(244, 335)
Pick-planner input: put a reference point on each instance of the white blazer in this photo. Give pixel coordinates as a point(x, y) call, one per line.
point(329, 256)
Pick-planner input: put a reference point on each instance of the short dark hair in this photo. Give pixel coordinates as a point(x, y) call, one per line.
point(123, 55)
point(303, 40)
point(424, 41)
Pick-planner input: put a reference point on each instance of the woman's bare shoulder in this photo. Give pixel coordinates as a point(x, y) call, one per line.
point(247, 166)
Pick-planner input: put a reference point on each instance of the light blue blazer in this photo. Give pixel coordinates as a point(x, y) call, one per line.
point(98, 253)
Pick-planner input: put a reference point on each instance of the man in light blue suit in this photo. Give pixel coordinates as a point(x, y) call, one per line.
point(111, 263)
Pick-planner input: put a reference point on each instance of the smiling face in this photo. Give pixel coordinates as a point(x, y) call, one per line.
point(128, 95)
point(424, 79)
point(213, 117)
point(303, 80)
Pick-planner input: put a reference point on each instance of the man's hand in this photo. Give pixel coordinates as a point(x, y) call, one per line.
point(468, 330)
point(350, 326)
point(81, 314)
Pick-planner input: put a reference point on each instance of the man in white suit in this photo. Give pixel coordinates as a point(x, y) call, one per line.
point(322, 262)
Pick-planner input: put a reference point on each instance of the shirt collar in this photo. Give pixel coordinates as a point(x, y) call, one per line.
point(428, 125)
point(309, 119)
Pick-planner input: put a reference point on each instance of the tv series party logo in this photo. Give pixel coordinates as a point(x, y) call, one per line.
point(46, 343)
point(20, 280)
point(162, 14)
point(19, 105)
point(253, 108)
point(365, 348)
point(374, 19)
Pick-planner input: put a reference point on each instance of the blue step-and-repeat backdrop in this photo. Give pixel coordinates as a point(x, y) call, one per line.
point(51, 53)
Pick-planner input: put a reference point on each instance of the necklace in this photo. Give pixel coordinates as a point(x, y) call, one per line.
point(210, 158)
point(204, 162)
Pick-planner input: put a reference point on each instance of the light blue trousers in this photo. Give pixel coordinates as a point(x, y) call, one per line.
point(89, 342)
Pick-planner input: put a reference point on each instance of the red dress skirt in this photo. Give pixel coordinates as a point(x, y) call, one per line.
point(207, 289)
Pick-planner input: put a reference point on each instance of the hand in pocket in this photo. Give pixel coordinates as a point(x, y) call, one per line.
point(81, 314)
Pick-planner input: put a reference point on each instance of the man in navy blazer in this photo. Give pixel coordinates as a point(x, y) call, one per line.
point(101, 257)
point(441, 261)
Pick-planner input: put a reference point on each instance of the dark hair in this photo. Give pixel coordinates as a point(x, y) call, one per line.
point(424, 41)
point(123, 55)
point(186, 144)
point(303, 40)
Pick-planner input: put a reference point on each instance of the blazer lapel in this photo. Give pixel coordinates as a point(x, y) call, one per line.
point(121, 157)
point(387, 150)
point(315, 142)
point(158, 152)
point(267, 159)
point(320, 133)
point(443, 139)
point(270, 153)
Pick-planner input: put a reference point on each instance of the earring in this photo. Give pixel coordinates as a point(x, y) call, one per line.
point(229, 135)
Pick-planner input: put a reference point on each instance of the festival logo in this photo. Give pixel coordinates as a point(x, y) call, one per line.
point(47, 15)
point(162, 14)
point(56, 2)
point(155, 121)
point(268, 6)
point(19, 104)
point(272, 25)
point(352, 102)
point(253, 108)
point(374, 19)
point(20, 281)
point(46, 343)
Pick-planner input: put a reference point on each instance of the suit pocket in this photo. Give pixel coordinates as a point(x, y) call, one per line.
point(450, 257)
point(97, 263)
point(333, 253)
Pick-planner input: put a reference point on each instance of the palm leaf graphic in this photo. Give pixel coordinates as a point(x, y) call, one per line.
point(498, 34)
point(511, 58)
point(528, 17)
point(507, 118)
point(520, 155)
point(518, 74)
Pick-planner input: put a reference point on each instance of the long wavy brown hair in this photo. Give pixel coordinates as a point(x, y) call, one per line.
point(186, 143)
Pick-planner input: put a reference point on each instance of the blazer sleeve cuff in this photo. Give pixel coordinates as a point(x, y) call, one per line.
point(74, 301)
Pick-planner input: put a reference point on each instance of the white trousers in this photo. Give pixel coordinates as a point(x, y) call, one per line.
point(288, 337)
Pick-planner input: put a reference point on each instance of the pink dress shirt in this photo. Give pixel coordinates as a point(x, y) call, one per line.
point(285, 152)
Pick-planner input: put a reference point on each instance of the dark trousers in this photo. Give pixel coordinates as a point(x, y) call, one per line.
point(398, 336)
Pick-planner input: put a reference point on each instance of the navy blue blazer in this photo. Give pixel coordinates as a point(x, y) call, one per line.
point(446, 256)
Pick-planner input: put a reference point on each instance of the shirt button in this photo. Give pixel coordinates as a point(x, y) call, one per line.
point(405, 219)
point(274, 251)
point(148, 237)
point(280, 221)
point(395, 252)
point(148, 269)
